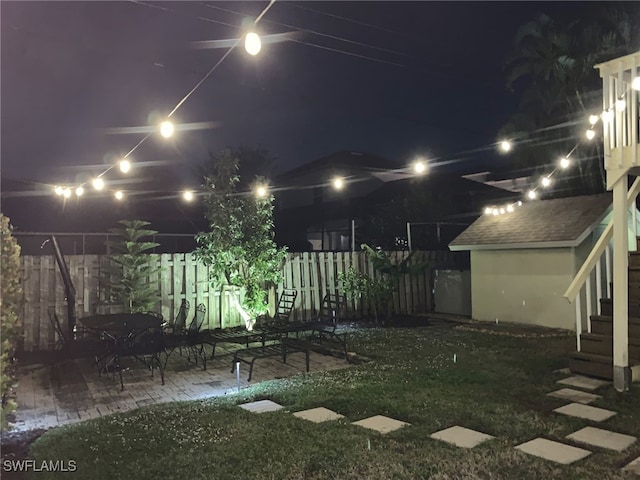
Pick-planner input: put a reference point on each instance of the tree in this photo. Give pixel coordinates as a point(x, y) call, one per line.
point(126, 276)
point(10, 303)
point(239, 248)
point(551, 70)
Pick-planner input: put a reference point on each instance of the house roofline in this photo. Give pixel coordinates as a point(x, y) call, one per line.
point(515, 246)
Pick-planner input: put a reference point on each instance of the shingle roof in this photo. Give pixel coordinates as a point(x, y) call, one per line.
point(545, 223)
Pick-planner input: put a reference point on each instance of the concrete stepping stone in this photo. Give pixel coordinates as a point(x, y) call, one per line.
point(574, 395)
point(318, 415)
point(586, 383)
point(585, 411)
point(633, 467)
point(381, 424)
point(553, 451)
point(563, 370)
point(461, 437)
point(261, 406)
point(602, 438)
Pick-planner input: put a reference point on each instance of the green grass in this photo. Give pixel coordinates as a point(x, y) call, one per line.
point(497, 386)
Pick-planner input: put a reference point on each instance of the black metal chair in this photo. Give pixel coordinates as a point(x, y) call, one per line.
point(191, 338)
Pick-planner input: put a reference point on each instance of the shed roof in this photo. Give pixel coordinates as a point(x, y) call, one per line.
point(562, 222)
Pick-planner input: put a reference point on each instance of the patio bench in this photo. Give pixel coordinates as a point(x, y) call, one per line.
point(283, 348)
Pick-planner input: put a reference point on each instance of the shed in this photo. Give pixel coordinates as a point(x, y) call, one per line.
point(522, 262)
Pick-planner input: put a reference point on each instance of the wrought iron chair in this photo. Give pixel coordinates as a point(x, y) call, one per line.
point(191, 337)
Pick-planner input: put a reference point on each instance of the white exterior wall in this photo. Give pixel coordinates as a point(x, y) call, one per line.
point(524, 286)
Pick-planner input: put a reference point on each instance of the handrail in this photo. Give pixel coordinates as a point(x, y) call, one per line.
point(598, 249)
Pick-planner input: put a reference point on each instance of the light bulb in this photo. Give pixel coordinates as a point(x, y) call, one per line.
point(58, 189)
point(419, 167)
point(564, 163)
point(509, 208)
point(590, 134)
point(252, 43)
point(79, 191)
point(119, 195)
point(166, 129)
point(607, 116)
point(338, 183)
point(187, 195)
point(636, 83)
point(505, 146)
point(495, 211)
point(261, 192)
point(125, 165)
point(621, 104)
point(66, 192)
point(488, 211)
point(97, 183)
point(502, 210)
point(546, 181)
point(519, 203)
point(593, 119)
point(532, 194)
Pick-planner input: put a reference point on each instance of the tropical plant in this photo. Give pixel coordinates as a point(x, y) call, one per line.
point(239, 248)
point(10, 302)
point(125, 279)
point(551, 69)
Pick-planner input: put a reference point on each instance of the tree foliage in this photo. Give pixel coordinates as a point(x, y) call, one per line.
point(238, 248)
point(10, 303)
point(126, 276)
point(551, 70)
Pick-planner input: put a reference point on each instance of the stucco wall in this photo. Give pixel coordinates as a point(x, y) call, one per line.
point(524, 286)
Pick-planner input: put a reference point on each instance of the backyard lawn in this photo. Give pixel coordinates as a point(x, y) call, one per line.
point(497, 385)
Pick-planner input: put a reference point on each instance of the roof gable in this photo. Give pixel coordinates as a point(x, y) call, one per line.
point(562, 222)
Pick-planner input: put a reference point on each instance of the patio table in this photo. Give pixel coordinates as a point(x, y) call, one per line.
point(125, 330)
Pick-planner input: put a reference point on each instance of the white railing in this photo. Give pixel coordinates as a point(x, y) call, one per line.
point(592, 269)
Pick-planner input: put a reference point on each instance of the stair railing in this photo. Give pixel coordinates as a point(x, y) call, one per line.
point(600, 253)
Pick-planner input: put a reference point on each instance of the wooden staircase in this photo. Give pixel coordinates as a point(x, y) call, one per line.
point(596, 356)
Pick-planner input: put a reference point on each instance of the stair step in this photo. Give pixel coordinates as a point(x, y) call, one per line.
point(592, 365)
point(603, 345)
point(603, 325)
point(606, 307)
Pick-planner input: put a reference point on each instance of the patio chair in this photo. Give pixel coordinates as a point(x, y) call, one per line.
point(86, 346)
point(190, 338)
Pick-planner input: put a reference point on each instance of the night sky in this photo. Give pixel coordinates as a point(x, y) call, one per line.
point(72, 71)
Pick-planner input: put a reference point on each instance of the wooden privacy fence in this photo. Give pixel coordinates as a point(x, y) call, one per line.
point(312, 274)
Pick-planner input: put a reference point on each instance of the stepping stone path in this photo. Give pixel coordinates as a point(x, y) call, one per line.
point(318, 415)
point(633, 467)
point(554, 451)
point(588, 412)
point(602, 438)
point(574, 395)
point(261, 406)
point(381, 424)
point(461, 437)
point(585, 383)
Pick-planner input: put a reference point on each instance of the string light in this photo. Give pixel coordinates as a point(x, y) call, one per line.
point(636, 83)
point(119, 195)
point(187, 195)
point(125, 165)
point(488, 210)
point(621, 104)
point(505, 146)
point(564, 163)
point(338, 183)
point(66, 192)
point(58, 190)
point(546, 182)
point(510, 208)
point(532, 194)
point(419, 167)
point(607, 116)
point(252, 43)
point(495, 212)
point(97, 183)
point(593, 119)
point(79, 191)
point(261, 192)
point(166, 129)
point(591, 134)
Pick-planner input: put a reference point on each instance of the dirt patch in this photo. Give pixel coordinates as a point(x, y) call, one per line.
point(15, 446)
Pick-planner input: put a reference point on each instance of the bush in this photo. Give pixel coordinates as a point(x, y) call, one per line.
point(10, 301)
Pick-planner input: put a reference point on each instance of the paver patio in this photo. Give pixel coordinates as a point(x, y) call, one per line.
point(84, 395)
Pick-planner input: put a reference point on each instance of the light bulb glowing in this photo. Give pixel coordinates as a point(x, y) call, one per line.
point(97, 183)
point(505, 146)
point(593, 119)
point(252, 43)
point(636, 83)
point(519, 203)
point(590, 134)
point(419, 167)
point(607, 116)
point(510, 208)
point(66, 192)
point(119, 195)
point(187, 195)
point(546, 181)
point(502, 211)
point(58, 189)
point(488, 211)
point(125, 165)
point(495, 212)
point(338, 183)
point(261, 192)
point(621, 104)
point(166, 129)
point(564, 163)
point(532, 194)
point(79, 191)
